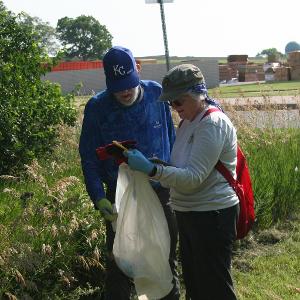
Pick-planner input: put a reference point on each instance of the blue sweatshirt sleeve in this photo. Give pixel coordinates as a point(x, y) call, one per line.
point(90, 138)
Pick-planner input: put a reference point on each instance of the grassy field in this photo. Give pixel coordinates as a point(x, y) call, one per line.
point(52, 240)
point(254, 60)
point(269, 267)
point(257, 89)
point(221, 60)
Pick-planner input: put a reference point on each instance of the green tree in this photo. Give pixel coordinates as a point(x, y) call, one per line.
point(2, 7)
point(84, 37)
point(44, 32)
point(270, 51)
point(31, 109)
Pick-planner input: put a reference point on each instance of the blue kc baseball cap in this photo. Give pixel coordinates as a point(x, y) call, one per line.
point(120, 70)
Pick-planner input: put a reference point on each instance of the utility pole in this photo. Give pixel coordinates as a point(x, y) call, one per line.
point(164, 28)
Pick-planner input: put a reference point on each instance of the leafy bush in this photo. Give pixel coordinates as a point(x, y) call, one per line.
point(31, 109)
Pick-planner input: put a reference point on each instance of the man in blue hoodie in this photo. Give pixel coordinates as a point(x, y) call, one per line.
point(127, 110)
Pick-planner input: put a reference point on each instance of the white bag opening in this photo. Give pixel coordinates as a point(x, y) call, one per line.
point(142, 242)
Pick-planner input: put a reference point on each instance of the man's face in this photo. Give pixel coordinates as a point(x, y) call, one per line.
point(127, 97)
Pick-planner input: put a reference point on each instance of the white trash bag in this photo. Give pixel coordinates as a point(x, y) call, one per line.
point(142, 242)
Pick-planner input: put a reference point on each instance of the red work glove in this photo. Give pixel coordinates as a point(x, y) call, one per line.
point(113, 151)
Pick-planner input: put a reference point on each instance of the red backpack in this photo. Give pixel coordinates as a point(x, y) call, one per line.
point(242, 186)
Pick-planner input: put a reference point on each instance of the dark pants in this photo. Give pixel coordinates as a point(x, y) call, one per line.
point(206, 240)
point(117, 285)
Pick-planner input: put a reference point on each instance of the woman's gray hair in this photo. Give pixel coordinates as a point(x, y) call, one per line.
point(196, 96)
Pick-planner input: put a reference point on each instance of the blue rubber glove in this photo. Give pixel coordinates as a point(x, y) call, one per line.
point(106, 210)
point(137, 161)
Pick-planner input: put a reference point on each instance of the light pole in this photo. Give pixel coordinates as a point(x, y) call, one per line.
point(164, 29)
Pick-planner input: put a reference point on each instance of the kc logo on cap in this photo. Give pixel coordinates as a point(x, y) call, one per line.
point(120, 70)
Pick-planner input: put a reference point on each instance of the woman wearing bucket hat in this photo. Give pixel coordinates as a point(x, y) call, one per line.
point(206, 206)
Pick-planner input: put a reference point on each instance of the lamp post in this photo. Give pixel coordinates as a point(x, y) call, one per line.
point(164, 29)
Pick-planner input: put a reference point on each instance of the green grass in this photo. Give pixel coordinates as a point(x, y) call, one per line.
point(255, 60)
point(52, 240)
point(270, 267)
point(221, 60)
point(257, 89)
point(274, 158)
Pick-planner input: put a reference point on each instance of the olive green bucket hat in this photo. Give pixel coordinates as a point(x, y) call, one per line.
point(179, 80)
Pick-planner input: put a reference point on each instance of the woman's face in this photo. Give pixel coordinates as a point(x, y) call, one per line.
point(187, 107)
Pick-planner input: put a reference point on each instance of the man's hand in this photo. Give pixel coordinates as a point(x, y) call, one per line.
point(106, 210)
point(113, 151)
point(137, 161)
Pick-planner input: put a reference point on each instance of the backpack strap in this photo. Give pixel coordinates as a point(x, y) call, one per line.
point(209, 111)
point(220, 166)
point(180, 123)
point(205, 114)
point(226, 174)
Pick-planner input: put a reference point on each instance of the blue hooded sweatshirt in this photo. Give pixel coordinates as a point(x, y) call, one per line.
point(147, 121)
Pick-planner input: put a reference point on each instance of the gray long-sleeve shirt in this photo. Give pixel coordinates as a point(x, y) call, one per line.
point(194, 182)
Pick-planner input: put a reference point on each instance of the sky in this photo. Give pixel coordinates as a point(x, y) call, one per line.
point(212, 28)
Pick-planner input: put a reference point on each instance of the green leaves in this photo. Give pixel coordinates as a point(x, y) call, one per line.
point(84, 37)
point(31, 109)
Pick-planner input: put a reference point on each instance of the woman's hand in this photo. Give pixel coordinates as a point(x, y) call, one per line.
point(137, 161)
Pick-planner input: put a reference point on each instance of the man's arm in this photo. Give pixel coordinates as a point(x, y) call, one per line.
point(91, 166)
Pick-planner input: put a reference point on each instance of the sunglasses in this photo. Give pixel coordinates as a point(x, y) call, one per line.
point(175, 102)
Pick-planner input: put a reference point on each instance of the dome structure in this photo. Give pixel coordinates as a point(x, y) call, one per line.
point(292, 46)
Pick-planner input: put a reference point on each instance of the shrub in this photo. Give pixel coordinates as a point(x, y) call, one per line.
point(31, 109)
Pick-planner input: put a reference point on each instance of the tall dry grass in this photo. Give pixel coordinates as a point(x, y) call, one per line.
point(52, 240)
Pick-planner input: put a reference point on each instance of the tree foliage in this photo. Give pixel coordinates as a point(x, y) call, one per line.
point(269, 52)
point(84, 37)
point(2, 7)
point(31, 109)
point(45, 34)
point(292, 46)
point(272, 53)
